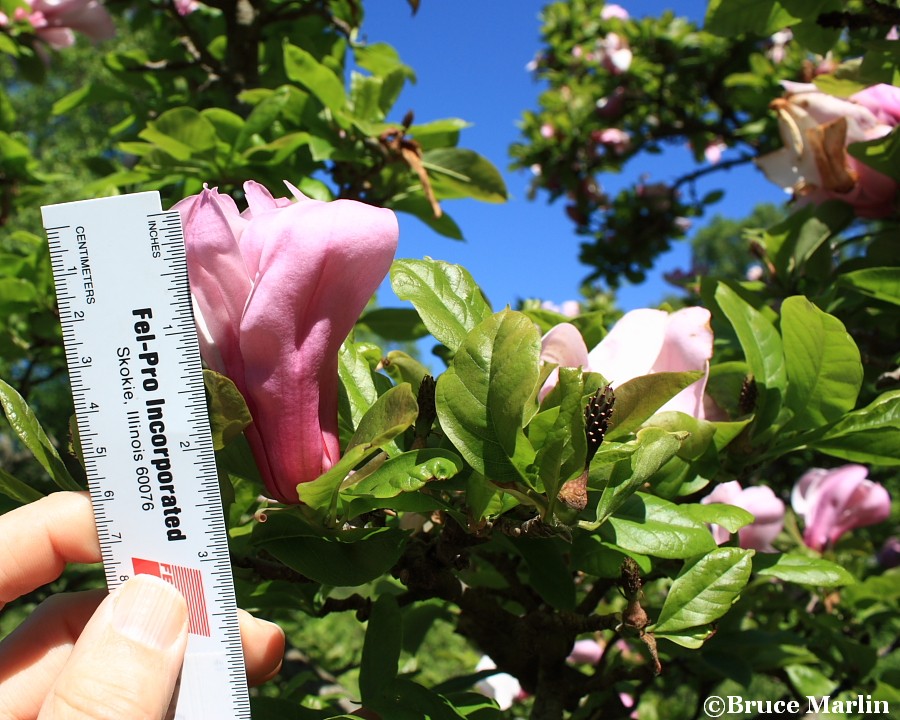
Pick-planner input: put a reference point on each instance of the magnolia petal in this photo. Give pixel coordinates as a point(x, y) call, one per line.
point(761, 502)
point(219, 279)
point(882, 100)
point(781, 167)
point(840, 500)
point(768, 514)
point(631, 347)
point(827, 142)
point(563, 346)
point(688, 345)
point(319, 264)
point(85, 16)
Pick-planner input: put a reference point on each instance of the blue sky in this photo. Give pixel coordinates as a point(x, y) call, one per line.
point(469, 57)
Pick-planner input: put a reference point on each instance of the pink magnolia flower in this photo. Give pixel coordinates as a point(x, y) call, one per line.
point(759, 501)
point(834, 502)
point(569, 308)
point(501, 687)
point(611, 11)
point(614, 53)
point(816, 129)
point(586, 652)
point(615, 139)
point(713, 152)
point(186, 7)
point(54, 20)
point(278, 289)
point(642, 342)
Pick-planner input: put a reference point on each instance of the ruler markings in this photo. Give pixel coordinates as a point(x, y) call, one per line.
point(137, 385)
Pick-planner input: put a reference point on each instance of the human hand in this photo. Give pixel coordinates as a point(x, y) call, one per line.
point(90, 655)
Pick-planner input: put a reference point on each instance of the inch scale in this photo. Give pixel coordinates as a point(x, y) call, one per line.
point(134, 364)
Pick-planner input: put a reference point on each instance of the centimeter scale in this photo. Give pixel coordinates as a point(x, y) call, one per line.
point(134, 364)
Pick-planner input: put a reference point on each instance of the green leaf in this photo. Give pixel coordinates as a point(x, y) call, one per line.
point(482, 396)
point(704, 590)
point(15, 489)
point(407, 472)
point(72, 100)
point(881, 154)
point(181, 132)
point(731, 18)
point(809, 33)
point(595, 556)
point(404, 368)
point(381, 650)
point(823, 364)
point(868, 435)
point(417, 205)
point(791, 243)
point(381, 59)
point(459, 173)
point(339, 558)
point(730, 517)
point(406, 695)
point(801, 569)
point(356, 392)
point(640, 397)
point(303, 68)
point(764, 353)
point(880, 283)
point(438, 133)
point(653, 447)
point(228, 412)
point(652, 526)
point(365, 96)
point(561, 451)
point(398, 324)
point(27, 428)
point(548, 570)
point(391, 414)
point(445, 296)
point(262, 117)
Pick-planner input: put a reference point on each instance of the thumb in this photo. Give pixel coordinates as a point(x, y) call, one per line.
point(127, 660)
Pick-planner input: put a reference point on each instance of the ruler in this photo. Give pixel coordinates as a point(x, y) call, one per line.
point(134, 365)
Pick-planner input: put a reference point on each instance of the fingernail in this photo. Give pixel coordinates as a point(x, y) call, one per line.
point(149, 611)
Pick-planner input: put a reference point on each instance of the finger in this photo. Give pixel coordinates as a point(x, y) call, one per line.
point(34, 654)
point(41, 537)
point(263, 647)
point(127, 660)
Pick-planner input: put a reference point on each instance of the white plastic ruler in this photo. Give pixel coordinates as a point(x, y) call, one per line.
point(134, 365)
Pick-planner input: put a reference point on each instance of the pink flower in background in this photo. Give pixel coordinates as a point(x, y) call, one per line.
point(889, 555)
point(642, 342)
point(883, 101)
point(614, 53)
point(611, 11)
point(54, 20)
point(816, 128)
point(569, 308)
point(186, 7)
point(834, 502)
point(779, 40)
point(586, 652)
point(713, 152)
point(615, 139)
point(278, 289)
point(501, 687)
point(759, 501)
